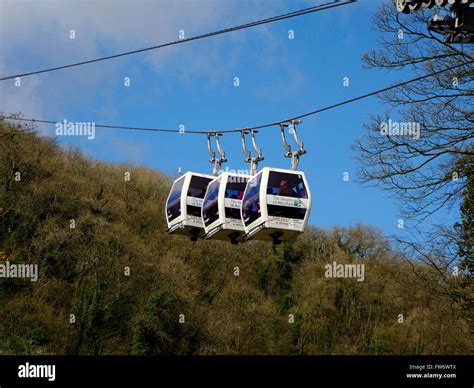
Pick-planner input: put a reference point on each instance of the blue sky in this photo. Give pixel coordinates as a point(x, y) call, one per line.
point(193, 84)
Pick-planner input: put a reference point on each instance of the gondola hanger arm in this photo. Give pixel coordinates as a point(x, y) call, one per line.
point(217, 162)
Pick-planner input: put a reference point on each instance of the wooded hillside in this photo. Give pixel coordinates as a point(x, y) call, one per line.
point(112, 281)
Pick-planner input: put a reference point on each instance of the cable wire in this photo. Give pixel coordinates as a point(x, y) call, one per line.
point(310, 113)
point(305, 11)
point(363, 96)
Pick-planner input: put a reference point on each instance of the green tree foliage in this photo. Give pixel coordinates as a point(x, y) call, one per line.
point(112, 281)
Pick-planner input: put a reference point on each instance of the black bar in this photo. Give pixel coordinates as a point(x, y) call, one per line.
point(291, 371)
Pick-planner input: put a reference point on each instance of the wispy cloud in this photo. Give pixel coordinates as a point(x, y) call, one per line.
point(37, 34)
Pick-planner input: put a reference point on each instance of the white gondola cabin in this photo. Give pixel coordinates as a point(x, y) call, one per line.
point(221, 208)
point(184, 204)
point(276, 205)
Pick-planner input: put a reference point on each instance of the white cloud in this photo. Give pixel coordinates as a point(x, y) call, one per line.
point(36, 35)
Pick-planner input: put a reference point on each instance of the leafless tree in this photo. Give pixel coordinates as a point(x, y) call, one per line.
point(433, 171)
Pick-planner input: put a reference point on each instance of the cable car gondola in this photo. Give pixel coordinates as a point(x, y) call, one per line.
point(223, 201)
point(221, 207)
point(276, 205)
point(185, 200)
point(184, 204)
point(277, 202)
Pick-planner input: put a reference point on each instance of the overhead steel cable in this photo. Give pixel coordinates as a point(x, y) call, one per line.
point(361, 97)
point(105, 125)
point(313, 112)
point(305, 11)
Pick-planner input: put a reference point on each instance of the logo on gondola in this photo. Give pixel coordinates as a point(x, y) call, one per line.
point(285, 201)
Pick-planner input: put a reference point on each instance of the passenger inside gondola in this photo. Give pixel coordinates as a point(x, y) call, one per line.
point(284, 190)
point(235, 193)
point(286, 184)
point(302, 193)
